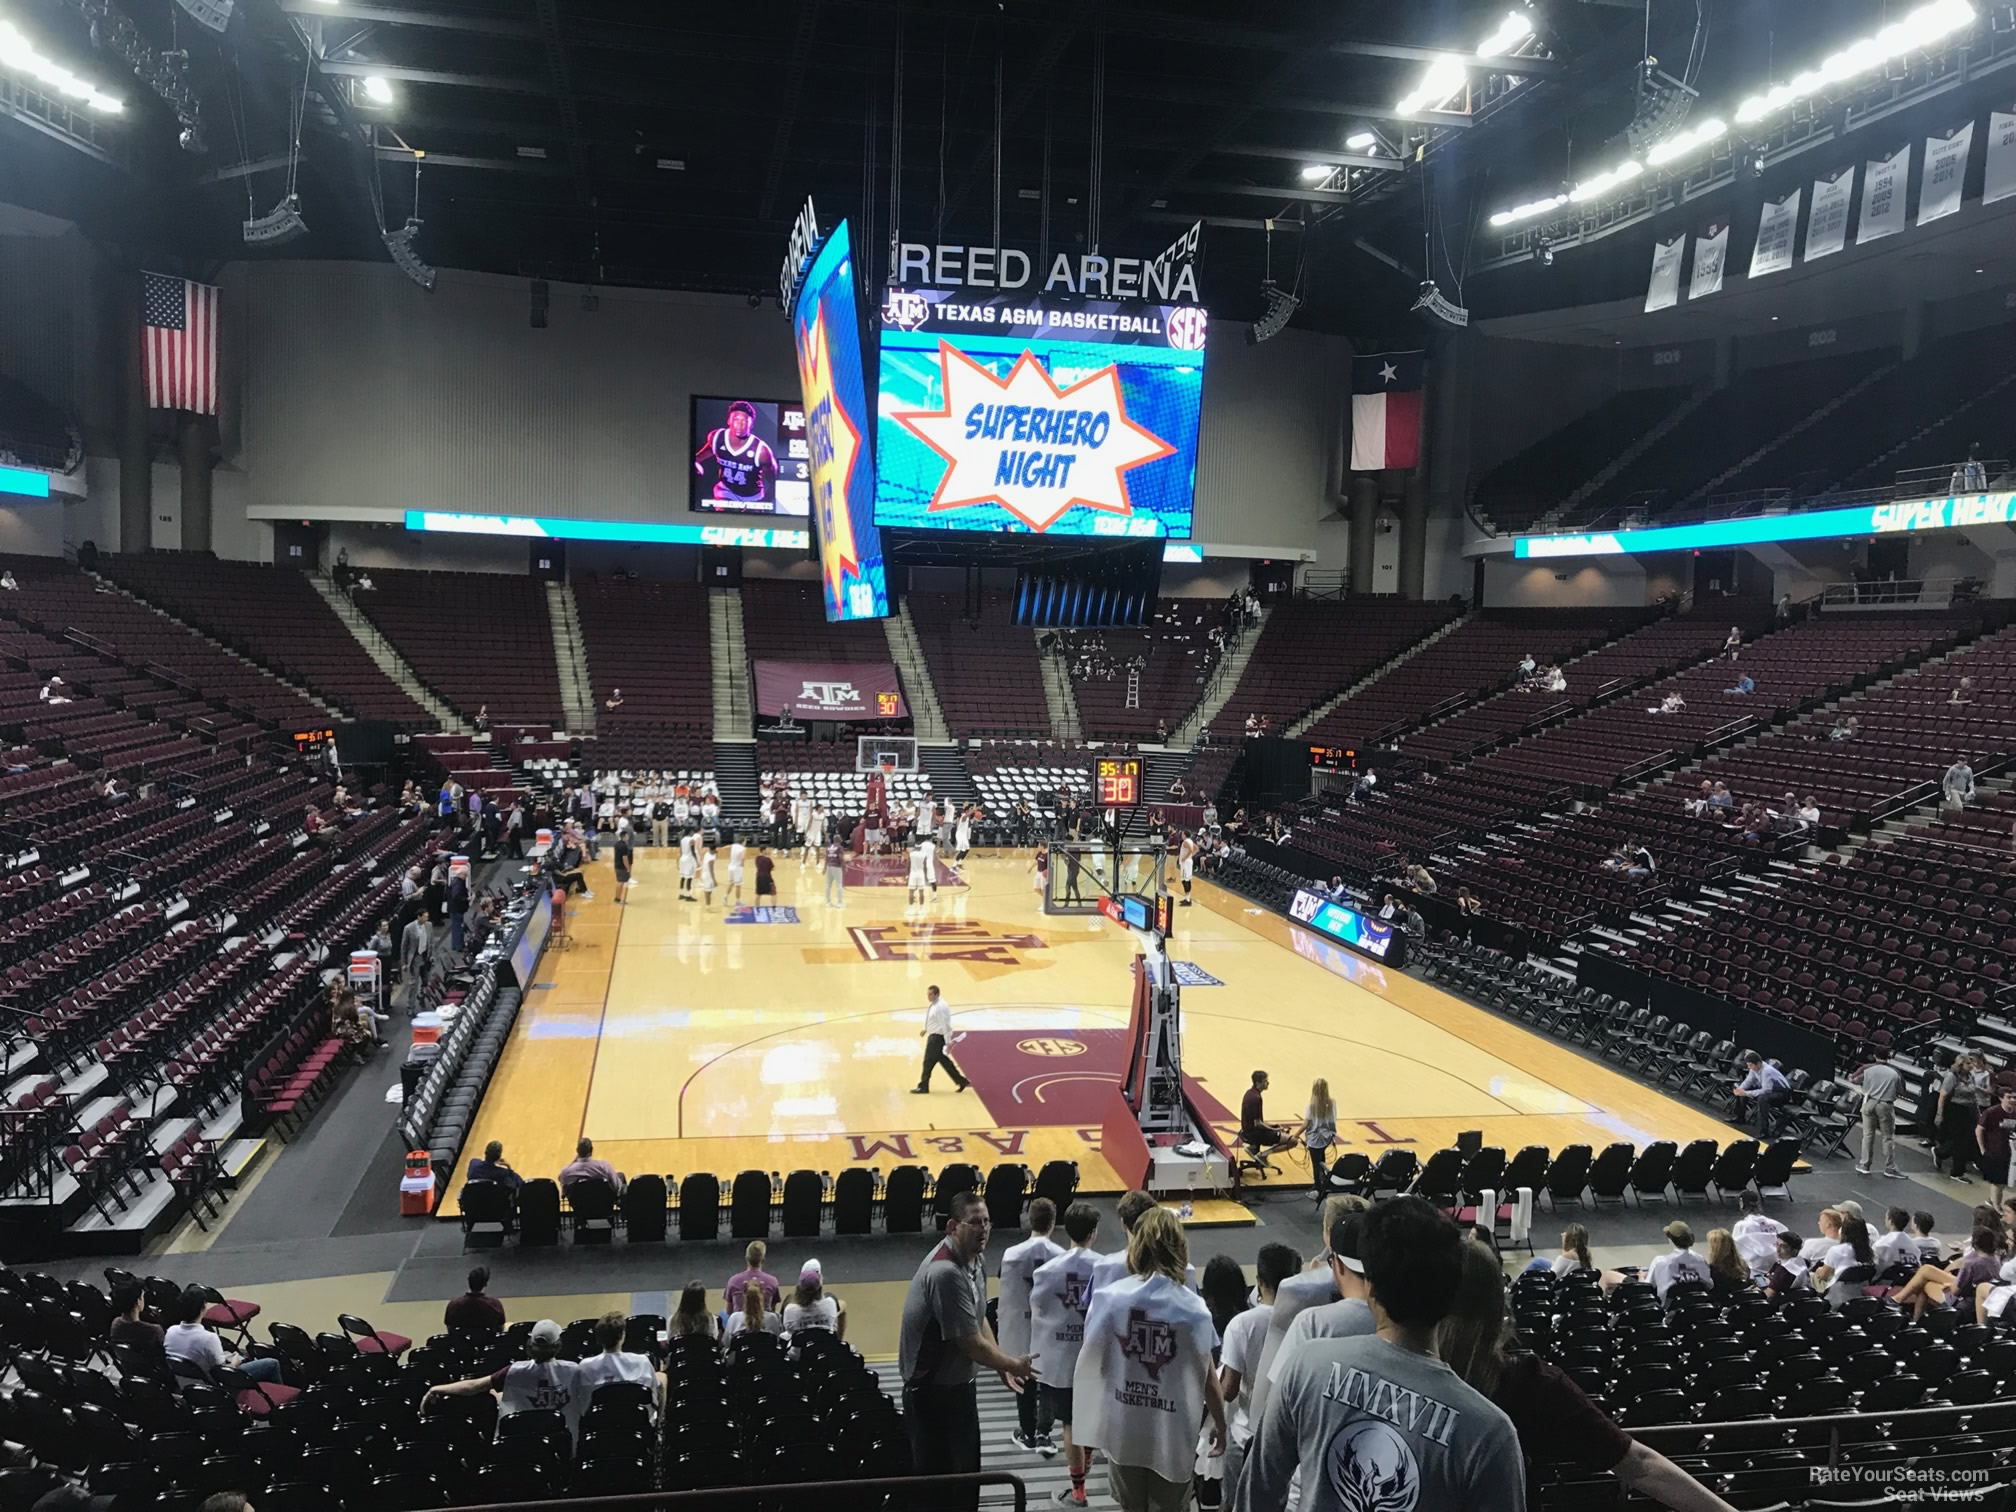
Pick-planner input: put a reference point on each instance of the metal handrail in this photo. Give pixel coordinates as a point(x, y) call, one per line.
point(1901, 592)
point(779, 1492)
point(1908, 483)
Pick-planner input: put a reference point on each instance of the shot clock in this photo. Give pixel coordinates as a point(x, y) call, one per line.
point(1116, 781)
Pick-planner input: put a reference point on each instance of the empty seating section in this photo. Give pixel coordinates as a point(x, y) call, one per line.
point(1660, 648)
point(474, 638)
point(1754, 410)
point(1481, 655)
point(984, 666)
point(273, 616)
point(1311, 649)
point(652, 641)
point(1942, 381)
point(1176, 656)
point(1519, 490)
point(55, 598)
point(1030, 770)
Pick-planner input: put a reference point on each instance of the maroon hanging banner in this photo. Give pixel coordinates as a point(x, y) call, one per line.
point(829, 690)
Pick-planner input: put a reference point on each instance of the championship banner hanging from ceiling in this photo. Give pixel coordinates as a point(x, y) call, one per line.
point(1663, 292)
point(2001, 180)
point(1710, 252)
point(1945, 170)
point(1827, 226)
point(1883, 184)
point(1776, 224)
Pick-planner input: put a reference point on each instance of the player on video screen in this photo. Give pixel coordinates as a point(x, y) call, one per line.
point(745, 469)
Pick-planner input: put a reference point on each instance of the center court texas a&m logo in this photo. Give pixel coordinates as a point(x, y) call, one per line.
point(979, 942)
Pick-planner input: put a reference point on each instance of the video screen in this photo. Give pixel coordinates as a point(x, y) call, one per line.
point(826, 324)
point(1346, 925)
point(1044, 416)
point(750, 457)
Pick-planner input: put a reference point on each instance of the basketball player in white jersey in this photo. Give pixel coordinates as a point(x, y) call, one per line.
point(920, 862)
point(815, 834)
point(1186, 865)
point(962, 837)
point(689, 862)
point(744, 467)
point(736, 852)
point(707, 875)
point(929, 845)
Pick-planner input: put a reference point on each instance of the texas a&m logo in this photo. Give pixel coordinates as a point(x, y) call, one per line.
point(1149, 1342)
point(942, 942)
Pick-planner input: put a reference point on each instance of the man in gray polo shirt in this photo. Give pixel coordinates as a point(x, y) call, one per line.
point(1880, 1083)
point(945, 1340)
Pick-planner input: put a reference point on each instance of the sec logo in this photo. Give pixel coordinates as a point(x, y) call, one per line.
point(1051, 1047)
point(1188, 326)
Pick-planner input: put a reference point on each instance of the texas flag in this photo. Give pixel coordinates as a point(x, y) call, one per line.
point(1386, 411)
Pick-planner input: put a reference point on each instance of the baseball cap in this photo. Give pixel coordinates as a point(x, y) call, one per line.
point(1849, 1206)
point(1345, 1236)
point(546, 1331)
point(810, 1271)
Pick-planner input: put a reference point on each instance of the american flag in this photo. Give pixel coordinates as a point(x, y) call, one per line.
point(179, 324)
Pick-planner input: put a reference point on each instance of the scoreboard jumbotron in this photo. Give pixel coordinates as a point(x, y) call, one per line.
point(1116, 781)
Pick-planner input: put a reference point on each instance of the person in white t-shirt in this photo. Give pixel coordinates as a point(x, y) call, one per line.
point(754, 1317)
point(736, 853)
point(810, 1309)
point(1896, 1246)
point(1059, 1293)
point(915, 883)
point(543, 1383)
point(1756, 1236)
point(1239, 1351)
point(1144, 1377)
point(1018, 1273)
point(615, 1363)
point(1680, 1263)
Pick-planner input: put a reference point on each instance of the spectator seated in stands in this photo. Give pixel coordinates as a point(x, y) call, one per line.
point(693, 1317)
point(1847, 729)
point(1672, 703)
point(53, 692)
point(194, 1350)
point(1177, 791)
point(615, 1363)
point(1963, 693)
point(752, 1274)
point(1965, 1283)
point(1527, 666)
point(545, 1382)
point(585, 1167)
point(614, 701)
point(491, 1166)
point(1744, 684)
point(7, 582)
point(1789, 1271)
point(130, 1329)
point(476, 1309)
point(811, 1308)
point(1728, 1271)
point(753, 1317)
point(1554, 681)
point(1678, 1264)
point(1895, 1246)
point(1756, 1235)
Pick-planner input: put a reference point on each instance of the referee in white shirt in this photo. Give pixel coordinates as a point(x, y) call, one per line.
point(937, 1033)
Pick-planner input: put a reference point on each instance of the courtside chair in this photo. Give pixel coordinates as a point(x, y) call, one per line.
point(369, 1340)
point(1007, 1188)
point(645, 1213)
point(700, 1206)
point(903, 1200)
point(1610, 1173)
point(749, 1205)
point(804, 1200)
point(854, 1201)
point(959, 1176)
point(538, 1213)
point(1058, 1180)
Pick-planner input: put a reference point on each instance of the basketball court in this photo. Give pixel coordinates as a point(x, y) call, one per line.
point(682, 1038)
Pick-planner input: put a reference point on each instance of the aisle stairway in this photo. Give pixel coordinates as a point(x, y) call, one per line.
point(945, 767)
point(1159, 769)
point(730, 659)
point(737, 781)
point(1043, 1478)
point(1058, 697)
point(1309, 721)
point(927, 716)
point(381, 651)
point(577, 696)
point(1224, 683)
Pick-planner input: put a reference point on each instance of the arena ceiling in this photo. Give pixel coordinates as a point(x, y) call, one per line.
point(648, 142)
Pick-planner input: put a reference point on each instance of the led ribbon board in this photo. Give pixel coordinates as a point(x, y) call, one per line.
point(757, 537)
point(24, 481)
point(1955, 512)
point(1345, 925)
point(1038, 416)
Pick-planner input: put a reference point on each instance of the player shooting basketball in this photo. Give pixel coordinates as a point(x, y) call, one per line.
point(744, 467)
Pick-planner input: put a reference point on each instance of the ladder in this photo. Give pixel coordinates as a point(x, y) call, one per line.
point(1133, 687)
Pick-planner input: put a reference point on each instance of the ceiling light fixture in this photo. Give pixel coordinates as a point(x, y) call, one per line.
point(1314, 173)
point(1447, 77)
point(1700, 134)
point(377, 89)
point(1359, 141)
point(1929, 23)
point(19, 55)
